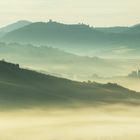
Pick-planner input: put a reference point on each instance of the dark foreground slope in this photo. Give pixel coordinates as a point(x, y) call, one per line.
point(24, 88)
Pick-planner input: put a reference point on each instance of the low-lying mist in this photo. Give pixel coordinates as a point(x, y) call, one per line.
point(52, 88)
point(99, 123)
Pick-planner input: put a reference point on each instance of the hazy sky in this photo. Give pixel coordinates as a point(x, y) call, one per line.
point(93, 12)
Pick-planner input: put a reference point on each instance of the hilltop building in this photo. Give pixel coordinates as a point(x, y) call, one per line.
point(134, 74)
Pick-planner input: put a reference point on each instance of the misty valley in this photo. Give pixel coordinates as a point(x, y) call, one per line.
point(69, 81)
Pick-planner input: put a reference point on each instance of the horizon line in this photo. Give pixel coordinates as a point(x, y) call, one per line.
point(51, 20)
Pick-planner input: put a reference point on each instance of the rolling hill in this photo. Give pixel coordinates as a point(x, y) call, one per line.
point(15, 26)
point(24, 88)
point(79, 38)
point(2, 34)
point(62, 63)
point(117, 29)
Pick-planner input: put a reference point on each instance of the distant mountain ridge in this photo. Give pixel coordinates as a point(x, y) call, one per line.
point(78, 37)
point(15, 26)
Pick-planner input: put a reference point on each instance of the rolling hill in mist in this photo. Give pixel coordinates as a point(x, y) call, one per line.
point(56, 61)
point(15, 26)
point(79, 38)
point(135, 29)
point(25, 88)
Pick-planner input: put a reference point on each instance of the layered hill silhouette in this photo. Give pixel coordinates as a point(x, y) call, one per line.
point(15, 26)
point(135, 29)
point(56, 61)
point(25, 88)
point(79, 36)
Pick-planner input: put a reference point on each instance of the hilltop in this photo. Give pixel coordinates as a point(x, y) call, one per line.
point(14, 26)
